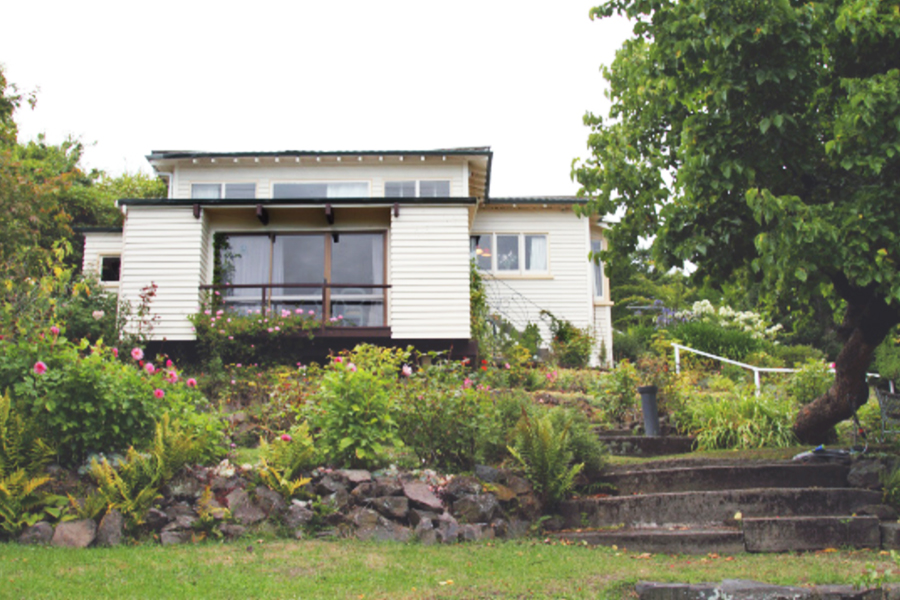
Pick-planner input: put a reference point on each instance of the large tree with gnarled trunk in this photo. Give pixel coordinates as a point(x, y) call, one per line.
point(763, 134)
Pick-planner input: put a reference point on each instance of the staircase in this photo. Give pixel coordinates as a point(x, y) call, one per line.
point(698, 507)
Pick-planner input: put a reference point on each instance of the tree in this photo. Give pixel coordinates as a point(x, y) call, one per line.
point(763, 134)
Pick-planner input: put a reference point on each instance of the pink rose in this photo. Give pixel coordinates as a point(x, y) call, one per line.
point(172, 377)
point(137, 354)
point(54, 330)
point(191, 382)
point(159, 393)
point(40, 368)
point(286, 438)
point(150, 368)
point(115, 352)
point(169, 364)
point(351, 367)
point(406, 370)
point(338, 359)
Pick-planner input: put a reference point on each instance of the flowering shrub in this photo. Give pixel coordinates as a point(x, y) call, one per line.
point(616, 391)
point(811, 381)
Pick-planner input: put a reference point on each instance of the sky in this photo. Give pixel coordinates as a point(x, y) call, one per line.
point(130, 77)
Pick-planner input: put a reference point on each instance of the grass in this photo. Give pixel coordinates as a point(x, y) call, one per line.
point(352, 569)
point(749, 455)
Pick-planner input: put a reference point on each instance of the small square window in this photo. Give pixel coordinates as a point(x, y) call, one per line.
point(110, 267)
point(434, 189)
point(399, 189)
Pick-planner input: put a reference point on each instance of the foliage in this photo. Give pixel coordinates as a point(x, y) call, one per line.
point(582, 439)
point(353, 415)
point(290, 453)
point(629, 344)
point(480, 313)
point(796, 354)
point(760, 138)
point(715, 339)
point(544, 452)
point(23, 456)
point(891, 488)
point(278, 481)
point(738, 420)
point(571, 346)
point(811, 381)
point(617, 391)
point(887, 357)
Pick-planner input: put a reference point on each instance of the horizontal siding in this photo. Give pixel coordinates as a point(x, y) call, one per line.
point(566, 292)
point(429, 274)
point(97, 245)
point(164, 245)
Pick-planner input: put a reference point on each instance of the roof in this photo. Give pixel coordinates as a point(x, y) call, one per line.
point(527, 200)
point(364, 201)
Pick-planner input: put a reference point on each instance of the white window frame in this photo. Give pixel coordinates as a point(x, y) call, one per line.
point(521, 271)
point(418, 183)
point(109, 282)
point(368, 183)
point(594, 266)
point(223, 187)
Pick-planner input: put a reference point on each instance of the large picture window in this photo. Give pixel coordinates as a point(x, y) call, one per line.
point(353, 263)
point(438, 188)
point(330, 189)
point(511, 253)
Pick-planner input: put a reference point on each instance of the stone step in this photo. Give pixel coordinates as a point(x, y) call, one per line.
point(712, 507)
point(634, 445)
point(727, 477)
point(722, 540)
point(783, 534)
point(739, 589)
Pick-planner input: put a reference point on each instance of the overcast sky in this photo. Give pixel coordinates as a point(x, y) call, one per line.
point(130, 77)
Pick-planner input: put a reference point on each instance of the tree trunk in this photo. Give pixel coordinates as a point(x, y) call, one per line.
point(867, 321)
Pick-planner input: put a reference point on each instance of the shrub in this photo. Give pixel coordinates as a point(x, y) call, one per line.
point(571, 346)
point(812, 380)
point(711, 337)
point(617, 391)
point(544, 452)
point(290, 453)
point(629, 345)
point(798, 354)
point(741, 420)
point(353, 416)
point(583, 441)
point(887, 357)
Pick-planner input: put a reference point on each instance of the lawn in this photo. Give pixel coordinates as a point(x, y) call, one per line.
point(351, 569)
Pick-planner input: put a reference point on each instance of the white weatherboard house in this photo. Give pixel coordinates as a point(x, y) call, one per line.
point(383, 238)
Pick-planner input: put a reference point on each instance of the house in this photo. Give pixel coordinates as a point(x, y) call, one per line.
point(382, 238)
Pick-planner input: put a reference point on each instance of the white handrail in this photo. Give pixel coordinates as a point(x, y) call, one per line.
point(756, 370)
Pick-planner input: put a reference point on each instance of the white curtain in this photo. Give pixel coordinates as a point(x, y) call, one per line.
point(249, 258)
point(349, 189)
point(536, 252)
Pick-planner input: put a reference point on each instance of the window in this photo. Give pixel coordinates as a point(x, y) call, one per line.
point(417, 189)
point(510, 253)
point(596, 247)
point(302, 262)
point(333, 189)
point(214, 191)
point(110, 267)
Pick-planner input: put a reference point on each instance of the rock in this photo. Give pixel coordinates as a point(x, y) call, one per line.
point(39, 533)
point(503, 493)
point(364, 518)
point(363, 492)
point(882, 511)
point(421, 496)
point(385, 531)
point(232, 530)
point(388, 486)
point(329, 485)
point(464, 485)
point(156, 519)
point(112, 529)
point(529, 507)
point(269, 501)
point(180, 509)
point(242, 508)
point(865, 474)
point(447, 530)
point(417, 515)
point(392, 507)
point(298, 516)
point(171, 538)
point(185, 486)
point(475, 532)
point(182, 523)
point(355, 476)
point(554, 523)
point(476, 509)
point(338, 500)
point(517, 528)
point(500, 527)
point(425, 533)
point(75, 534)
point(518, 485)
point(487, 474)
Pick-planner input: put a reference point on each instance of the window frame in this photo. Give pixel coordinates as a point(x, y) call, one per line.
point(368, 183)
point(418, 183)
point(595, 265)
point(100, 259)
point(223, 189)
point(522, 272)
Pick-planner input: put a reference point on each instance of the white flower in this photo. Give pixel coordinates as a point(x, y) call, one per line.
point(98, 314)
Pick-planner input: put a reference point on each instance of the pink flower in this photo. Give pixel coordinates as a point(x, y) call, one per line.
point(406, 371)
point(340, 317)
point(230, 337)
point(467, 383)
point(506, 366)
point(239, 365)
point(233, 382)
point(172, 377)
point(98, 314)
point(137, 354)
point(207, 312)
point(115, 352)
point(351, 367)
point(159, 393)
point(54, 330)
point(286, 438)
point(191, 382)
point(312, 312)
point(271, 330)
point(150, 368)
point(277, 328)
point(285, 313)
point(169, 364)
point(40, 368)
point(219, 313)
point(338, 359)
point(299, 311)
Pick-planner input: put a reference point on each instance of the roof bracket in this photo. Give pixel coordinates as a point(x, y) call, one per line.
point(329, 214)
point(196, 211)
point(396, 209)
point(262, 214)
point(335, 237)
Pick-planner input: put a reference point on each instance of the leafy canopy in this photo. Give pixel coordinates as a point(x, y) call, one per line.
point(756, 133)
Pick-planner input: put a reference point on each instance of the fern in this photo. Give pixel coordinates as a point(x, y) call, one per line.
point(292, 455)
point(544, 452)
point(133, 490)
point(277, 480)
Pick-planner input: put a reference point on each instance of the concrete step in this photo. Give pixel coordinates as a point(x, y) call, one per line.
point(738, 589)
point(722, 540)
point(634, 445)
point(712, 507)
point(783, 534)
point(727, 477)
